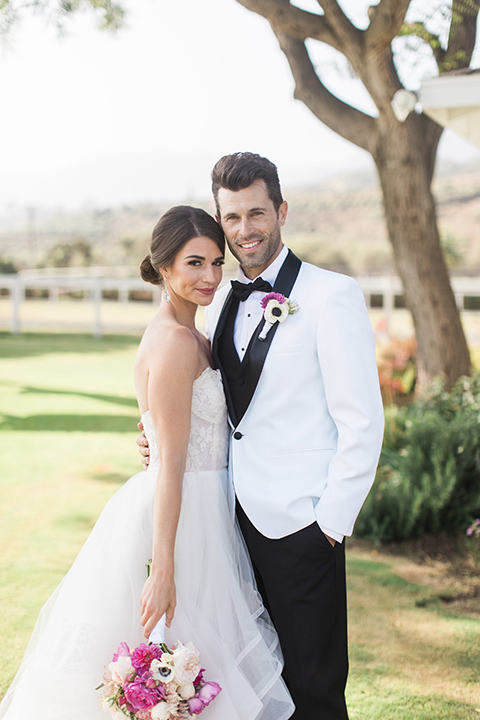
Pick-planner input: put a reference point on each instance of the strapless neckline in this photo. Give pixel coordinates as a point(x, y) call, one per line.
point(209, 433)
point(197, 379)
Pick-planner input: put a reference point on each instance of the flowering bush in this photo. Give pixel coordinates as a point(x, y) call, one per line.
point(397, 371)
point(153, 682)
point(463, 397)
point(474, 529)
point(428, 476)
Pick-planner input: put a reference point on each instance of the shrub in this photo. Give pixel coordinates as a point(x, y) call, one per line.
point(397, 371)
point(429, 474)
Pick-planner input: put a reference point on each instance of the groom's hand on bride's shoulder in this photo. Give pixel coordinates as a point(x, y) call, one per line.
point(143, 448)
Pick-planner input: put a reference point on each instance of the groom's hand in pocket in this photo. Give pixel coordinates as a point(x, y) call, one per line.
point(143, 447)
point(330, 540)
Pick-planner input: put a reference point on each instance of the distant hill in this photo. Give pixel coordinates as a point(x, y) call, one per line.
point(338, 223)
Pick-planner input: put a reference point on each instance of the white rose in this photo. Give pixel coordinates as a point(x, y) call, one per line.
point(160, 711)
point(186, 691)
point(187, 663)
point(121, 669)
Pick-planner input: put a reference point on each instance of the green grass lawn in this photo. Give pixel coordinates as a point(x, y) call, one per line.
point(67, 441)
point(410, 660)
point(68, 419)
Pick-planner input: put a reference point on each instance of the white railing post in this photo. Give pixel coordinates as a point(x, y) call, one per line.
point(16, 291)
point(97, 306)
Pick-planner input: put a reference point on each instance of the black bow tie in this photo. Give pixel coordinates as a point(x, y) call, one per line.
point(243, 290)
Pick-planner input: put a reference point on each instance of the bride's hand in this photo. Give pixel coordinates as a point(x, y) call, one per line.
point(143, 447)
point(158, 597)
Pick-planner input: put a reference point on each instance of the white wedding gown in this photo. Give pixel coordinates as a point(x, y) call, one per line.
point(97, 605)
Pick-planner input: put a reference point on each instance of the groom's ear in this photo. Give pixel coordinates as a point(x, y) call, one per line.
point(282, 212)
point(217, 218)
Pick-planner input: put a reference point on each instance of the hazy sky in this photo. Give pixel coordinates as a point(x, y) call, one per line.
point(144, 113)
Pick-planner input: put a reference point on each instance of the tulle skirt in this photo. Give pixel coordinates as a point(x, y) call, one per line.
point(97, 606)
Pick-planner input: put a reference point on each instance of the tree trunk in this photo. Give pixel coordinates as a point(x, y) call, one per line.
point(405, 165)
point(403, 152)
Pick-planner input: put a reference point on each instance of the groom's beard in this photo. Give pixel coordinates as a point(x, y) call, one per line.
point(269, 245)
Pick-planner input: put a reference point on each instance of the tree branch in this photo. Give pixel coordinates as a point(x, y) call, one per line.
point(462, 36)
point(386, 19)
point(298, 23)
point(347, 121)
point(419, 30)
point(350, 37)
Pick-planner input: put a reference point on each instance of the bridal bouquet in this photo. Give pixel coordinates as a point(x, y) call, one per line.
point(153, 682)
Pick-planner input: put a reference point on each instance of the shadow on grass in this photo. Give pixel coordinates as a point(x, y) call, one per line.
point(34, 344)
point(115, 399)
point(69, 423)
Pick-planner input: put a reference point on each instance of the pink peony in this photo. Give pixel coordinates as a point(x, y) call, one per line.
point(195, 706)
point(139, 697)
point(209, 692)
point(122, 651)
point(204, 697)
point(143, 655)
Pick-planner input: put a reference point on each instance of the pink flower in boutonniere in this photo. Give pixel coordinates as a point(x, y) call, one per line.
point(276, 308)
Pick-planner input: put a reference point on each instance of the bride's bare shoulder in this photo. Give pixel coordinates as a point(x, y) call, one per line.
point(166, 341)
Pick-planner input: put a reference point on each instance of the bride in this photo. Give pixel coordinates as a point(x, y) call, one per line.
point(179, 513)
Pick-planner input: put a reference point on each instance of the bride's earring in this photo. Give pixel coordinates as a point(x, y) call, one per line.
point(166, 294)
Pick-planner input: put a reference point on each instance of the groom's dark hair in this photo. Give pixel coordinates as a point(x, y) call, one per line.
point(240, 170)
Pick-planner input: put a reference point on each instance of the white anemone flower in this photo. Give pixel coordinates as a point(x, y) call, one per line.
point(276, 312)
point(276, 308)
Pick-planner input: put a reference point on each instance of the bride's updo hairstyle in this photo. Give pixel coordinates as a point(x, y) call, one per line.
point(174, 229)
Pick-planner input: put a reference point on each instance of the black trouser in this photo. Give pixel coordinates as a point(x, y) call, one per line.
point(302, 581)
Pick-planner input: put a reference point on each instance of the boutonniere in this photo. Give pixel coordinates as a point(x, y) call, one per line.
point(276, 308)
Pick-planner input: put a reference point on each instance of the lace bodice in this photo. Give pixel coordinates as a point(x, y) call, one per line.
point(208, 443)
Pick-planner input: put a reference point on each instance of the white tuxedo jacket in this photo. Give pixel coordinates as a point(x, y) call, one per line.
point(312, 434)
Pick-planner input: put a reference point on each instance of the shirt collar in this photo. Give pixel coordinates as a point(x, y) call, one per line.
point(270, 273)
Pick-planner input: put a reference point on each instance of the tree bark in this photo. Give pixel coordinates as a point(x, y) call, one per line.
point(404, 154)
point(403, 160)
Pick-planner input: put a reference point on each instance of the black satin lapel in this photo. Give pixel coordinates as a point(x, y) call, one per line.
point(220, 327)
point(216, 359)
point(258, 349)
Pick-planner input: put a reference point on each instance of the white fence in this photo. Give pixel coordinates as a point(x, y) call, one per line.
point(384, 291)
point(92, 287)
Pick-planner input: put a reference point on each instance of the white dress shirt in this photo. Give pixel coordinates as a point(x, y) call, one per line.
point(250, 311)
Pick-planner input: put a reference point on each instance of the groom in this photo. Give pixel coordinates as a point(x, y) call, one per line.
point(307, 423)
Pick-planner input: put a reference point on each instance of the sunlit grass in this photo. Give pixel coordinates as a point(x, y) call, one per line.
point(67, 441)
point(68, 419)
point(407, 661)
